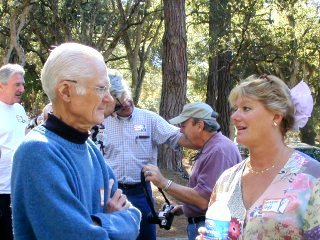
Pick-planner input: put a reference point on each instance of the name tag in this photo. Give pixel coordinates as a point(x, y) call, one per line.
point(275, 205)
point(139, 128)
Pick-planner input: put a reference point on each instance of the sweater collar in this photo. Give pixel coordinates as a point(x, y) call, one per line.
point(65, 131)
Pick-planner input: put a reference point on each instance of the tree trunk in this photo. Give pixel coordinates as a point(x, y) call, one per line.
point(308, 134)
point(219, 80)
point(18, 20)
point(224, 88)
point(174, 74)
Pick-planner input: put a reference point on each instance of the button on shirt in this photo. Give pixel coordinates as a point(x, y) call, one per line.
point(132, 142)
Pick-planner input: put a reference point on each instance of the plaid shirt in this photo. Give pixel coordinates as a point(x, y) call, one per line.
point(132, 142)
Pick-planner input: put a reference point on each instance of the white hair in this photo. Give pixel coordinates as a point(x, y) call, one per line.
point(7, 70)
point(68, 61)
point(118, 86)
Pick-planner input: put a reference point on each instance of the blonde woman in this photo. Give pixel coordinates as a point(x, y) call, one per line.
point(275, 192)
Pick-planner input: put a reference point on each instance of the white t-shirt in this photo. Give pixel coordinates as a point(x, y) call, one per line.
point(13, 122)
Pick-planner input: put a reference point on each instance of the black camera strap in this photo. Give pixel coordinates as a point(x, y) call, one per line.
point(143, 181)
point(165, 198)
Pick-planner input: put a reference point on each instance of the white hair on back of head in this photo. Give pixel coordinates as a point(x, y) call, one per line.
point(118, 86)
point(7, 70)
point(68, 61)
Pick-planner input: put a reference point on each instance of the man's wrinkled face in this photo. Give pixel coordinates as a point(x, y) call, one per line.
point(192, 131)
point(11, 92)
point(87, 109)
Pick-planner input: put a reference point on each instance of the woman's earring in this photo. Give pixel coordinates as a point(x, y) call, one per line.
point(275, 124)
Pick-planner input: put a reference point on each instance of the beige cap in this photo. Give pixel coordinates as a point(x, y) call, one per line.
point(195, 110)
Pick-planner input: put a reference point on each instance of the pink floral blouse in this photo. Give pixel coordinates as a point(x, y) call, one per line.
point(288, 209)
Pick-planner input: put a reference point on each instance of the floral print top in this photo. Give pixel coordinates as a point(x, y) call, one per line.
point(288, 209)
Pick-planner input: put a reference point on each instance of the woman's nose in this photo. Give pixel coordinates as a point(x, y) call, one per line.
point(235, 115)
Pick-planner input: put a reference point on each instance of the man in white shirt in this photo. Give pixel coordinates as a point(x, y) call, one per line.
point(13, 122)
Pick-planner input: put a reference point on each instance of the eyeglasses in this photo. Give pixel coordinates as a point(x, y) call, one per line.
point(100, 90)
point(118, 105)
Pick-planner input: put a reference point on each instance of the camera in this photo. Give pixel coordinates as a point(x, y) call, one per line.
point(164, 218)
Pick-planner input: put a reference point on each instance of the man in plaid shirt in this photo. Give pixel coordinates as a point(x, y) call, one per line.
point(132, 139)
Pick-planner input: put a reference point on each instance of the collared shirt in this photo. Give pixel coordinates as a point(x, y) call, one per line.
point(218, 154)
point(132, 142)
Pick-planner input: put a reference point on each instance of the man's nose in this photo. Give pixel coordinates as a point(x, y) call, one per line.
point(108, 98)
point(21, 88)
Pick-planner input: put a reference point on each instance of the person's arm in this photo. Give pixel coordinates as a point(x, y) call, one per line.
point(184, 142)
point(164, 133)
point(179, 192)
point(118, 206)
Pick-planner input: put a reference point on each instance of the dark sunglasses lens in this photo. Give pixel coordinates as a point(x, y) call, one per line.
point(117, 107)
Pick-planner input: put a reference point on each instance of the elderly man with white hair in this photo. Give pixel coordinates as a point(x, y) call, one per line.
point(61, 186)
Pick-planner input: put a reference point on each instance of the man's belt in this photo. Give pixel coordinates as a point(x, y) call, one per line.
point(129, 186)
point(196, 219)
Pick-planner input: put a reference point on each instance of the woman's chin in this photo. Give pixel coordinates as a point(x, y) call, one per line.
point(240, 140)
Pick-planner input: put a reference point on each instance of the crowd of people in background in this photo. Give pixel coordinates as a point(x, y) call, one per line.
point(74, 172)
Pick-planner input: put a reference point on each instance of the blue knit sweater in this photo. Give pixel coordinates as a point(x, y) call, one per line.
point(60, 186)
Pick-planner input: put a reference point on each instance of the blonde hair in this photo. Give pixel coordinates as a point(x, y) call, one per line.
point(272, 92)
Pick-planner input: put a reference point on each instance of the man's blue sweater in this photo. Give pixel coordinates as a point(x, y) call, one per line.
point(60, 188)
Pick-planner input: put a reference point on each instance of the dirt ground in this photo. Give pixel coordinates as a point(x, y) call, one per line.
point(178, 227)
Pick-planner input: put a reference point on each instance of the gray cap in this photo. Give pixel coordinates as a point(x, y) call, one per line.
point(195, 110)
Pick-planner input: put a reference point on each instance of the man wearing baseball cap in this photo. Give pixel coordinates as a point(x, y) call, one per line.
point(216, 153)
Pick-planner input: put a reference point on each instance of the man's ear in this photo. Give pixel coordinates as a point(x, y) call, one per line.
point(64, 91)
point(200, 124)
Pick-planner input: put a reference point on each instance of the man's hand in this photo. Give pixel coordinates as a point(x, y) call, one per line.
point(118, 201)
point(177, 210)
point(152, 173)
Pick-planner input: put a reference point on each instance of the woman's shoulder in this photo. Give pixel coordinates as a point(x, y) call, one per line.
point(310, 165)
point(231, 172)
